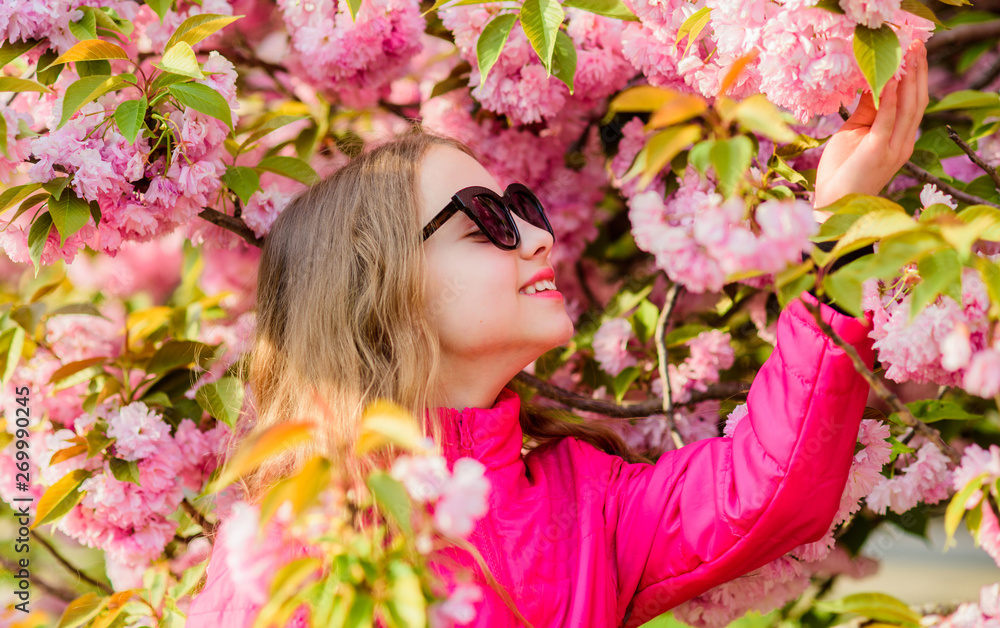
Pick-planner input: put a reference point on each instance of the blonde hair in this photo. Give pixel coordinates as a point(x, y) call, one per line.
point(341, 315)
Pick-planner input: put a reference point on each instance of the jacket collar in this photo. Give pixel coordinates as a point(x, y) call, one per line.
point(490, 435)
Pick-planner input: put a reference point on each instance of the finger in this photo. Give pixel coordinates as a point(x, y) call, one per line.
point(864, 114)
point(921, 87)
point(906, 107)
point(885, 119)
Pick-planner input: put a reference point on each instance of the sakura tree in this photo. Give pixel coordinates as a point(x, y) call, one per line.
point(147, 148)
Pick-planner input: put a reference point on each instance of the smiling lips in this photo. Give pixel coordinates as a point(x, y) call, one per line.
point(541, 284)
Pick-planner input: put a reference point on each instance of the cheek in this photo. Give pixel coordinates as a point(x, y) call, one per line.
point(472, 296)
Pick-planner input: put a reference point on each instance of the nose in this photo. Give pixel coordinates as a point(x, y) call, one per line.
point(534, 240)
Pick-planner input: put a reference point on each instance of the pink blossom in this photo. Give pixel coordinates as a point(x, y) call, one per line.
point(137, 431)
point(988, 534)
point(711, 352)
point(463, 498)
point(983, 375)
point(930, 195)
point(927, 479)
point(739, 413)
point(956, 349)
point(252, 561)
point(263, 209)
point(610, 346)
point(458, 609)
point(424, 477)
point(870, 13)
point(975, 462)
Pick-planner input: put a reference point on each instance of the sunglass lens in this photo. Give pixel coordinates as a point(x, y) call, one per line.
point(494, 219)
point(528, 208)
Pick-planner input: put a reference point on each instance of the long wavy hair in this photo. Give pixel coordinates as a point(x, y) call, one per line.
point(341, 316)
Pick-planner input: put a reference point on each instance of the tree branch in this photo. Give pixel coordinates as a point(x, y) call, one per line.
point(987, 77)
point(974, 156)
point(662, 362)
point(964, 34)
point(195, 515)
point(231, 223)
point(905, 416)
point(649, 407)
point(58, 592)
point(923, 176)
point(69, 567)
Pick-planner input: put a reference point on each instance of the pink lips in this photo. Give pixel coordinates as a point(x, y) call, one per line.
point(543, 274)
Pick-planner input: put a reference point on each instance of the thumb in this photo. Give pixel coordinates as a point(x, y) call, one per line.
point(865, 113)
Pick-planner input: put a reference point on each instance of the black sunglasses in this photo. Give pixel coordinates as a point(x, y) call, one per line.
point(492, 213)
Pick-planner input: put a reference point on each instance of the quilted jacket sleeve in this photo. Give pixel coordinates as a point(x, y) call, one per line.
point(721, 507)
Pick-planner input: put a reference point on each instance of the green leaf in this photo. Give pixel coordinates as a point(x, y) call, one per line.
point(406, 604)
point(956, 507)
point(392, 498)
point(11, 50)
point(608, 8)
point(564, 60)
point(91, 50)
point(491, 42)
point(124, 470)
point(12, 341)
point(242, 180)
point(13, 195)
point(731, 158)
point(758, 115)
point(86, 27)
point(877, 606)
point(291, 167)
point(844, 286)
point(37, 237)
point(82, 610)
point(49, 76)
point(354, 6)
point(932, 410)
point(97, 441)
point(69, 214)
point(692, 27)
point(160, 7)
point(660, 150)
point(164, 79)
point(56, 186)
point(130, 117)
point(87, 89)
point(14, 84)
point(918, 8)
point(966, 99)
point(178, 353)
point(222, 399)
point(874, 225)
point(267, 126)
point(180, 60)
point(540, 20)
point(940, 273)
point(620, 383)
point(198, 27)
point(60, 498)
point(644, 320)
point(93, 68)
point(204, 99)
point(878, 55)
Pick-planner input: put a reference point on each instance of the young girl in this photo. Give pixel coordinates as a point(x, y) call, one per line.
point(377, 283)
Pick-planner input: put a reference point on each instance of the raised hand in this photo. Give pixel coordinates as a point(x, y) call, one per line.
point(873, 145)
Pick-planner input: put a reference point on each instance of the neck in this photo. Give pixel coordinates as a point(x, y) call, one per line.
point(465, 383)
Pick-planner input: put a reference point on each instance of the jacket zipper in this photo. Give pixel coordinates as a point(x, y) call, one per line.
point(497, 568)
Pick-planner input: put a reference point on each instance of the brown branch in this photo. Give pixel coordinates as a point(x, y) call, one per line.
point(987, 77)
point(964, 34)
point(905, 416)
point(58, 592)
point(923, 176)
point(198, 518)
point(69, 567)
point(974, 156)
point(231, 223)
point(649, 407)
point(663, 356)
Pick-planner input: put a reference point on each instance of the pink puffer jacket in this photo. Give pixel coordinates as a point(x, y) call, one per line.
point(582, 538)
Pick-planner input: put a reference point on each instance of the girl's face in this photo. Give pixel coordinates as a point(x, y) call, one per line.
point(476, 297)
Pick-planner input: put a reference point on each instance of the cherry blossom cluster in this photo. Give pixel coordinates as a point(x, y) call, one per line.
point(801, 56)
